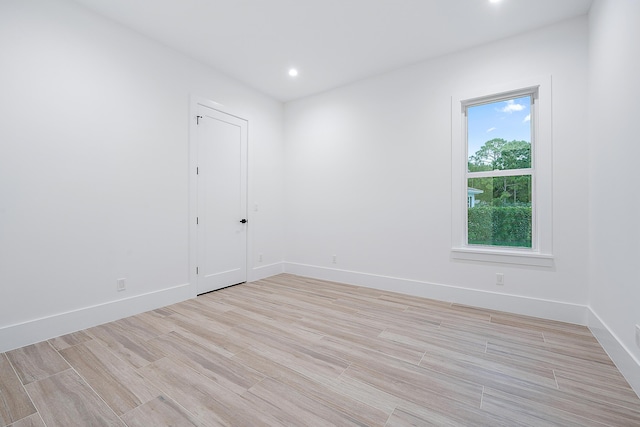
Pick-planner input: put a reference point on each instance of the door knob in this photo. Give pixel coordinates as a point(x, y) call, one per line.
point(244, 221)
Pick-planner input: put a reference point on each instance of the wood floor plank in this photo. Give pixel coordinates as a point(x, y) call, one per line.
point(160, 324)
point(306, 299)
point(303, 358)
point(365, 393)
point(487, 370)
point(161, 411)
point(145, 326)
point(127, 345)
point(203, 397)
point(66, 341)
point(277, 416)
point(194, 306)
point(255, 303)
point(31, 421)
point(453, 415)
point(531, 412)
point(213, 303)
point(114, 380)
point(323, 320)
point(289, 401)
point(462, 415)
point(595, 388)
point(280, 327)
point(536, 354)
point(416, 384)
point(207, 331)
point(418, 320)
point(401, 418)
point(65, 400)
point(354, 352)
point(299, 305)
point(312, 291)
point(447, 337)
point(15, 404)
point(561, 404)
point(405, 351)
point(433, 340)
point(489, 331)
point(411, 301)
point(327, 393)
point(225, 371)
point(452, 313)
point(370, 303)
point(37, 361)
point(162, 312)
point(537, 324)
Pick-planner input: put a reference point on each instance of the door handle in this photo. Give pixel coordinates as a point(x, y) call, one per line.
point(244, 221)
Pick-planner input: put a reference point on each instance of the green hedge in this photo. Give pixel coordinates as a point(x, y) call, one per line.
point(500, 226)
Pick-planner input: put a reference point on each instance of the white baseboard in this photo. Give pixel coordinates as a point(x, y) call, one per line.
point(33, 331)
point(264, 271)
point(535, 307)
point(624, 360)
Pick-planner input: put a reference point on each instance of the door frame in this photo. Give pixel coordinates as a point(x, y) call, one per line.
point(195, 103)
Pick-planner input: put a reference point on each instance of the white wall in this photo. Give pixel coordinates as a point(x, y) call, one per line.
point(614, 65)
point(368, 178)
point(94, 123)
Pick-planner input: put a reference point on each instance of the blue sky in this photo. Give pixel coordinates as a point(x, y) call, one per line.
point(509, 120)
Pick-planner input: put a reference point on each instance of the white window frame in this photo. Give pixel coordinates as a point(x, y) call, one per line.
point(541, 253)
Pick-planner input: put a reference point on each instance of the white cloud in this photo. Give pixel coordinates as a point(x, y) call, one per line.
point(512, 107)
point(527, 119)
point(490, 130)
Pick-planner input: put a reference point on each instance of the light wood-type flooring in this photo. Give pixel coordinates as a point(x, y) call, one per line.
point(293, 351)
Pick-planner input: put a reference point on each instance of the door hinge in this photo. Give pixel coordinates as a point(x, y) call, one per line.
point(197, 220)
point(197, 270)
point(198, 119)
point(197, 170)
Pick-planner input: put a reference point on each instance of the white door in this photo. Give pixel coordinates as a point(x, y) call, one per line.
point(222, 200)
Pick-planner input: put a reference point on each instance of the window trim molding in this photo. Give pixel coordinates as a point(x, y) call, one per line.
point(512, 256)
point(541, 253)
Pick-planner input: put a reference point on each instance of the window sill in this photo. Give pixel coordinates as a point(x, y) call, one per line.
point(503, 256)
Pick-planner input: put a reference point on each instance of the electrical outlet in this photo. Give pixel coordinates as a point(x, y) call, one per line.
point(335, 259)
point(259, 257)
point(499, 279)
point(638, 335)
point(121, 285)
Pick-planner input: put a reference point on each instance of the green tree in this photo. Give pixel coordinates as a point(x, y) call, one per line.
point(499, 154)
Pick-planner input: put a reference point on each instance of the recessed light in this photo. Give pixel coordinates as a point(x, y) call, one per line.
point(495, 1)
point(293, 72)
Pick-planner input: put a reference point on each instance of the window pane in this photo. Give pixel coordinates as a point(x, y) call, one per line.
point(499, 135)
point(499, 211)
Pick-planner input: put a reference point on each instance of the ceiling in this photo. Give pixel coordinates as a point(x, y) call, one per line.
point(330, 42)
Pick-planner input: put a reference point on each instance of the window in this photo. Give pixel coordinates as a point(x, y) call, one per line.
point(501, 174)
point(500, 170)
